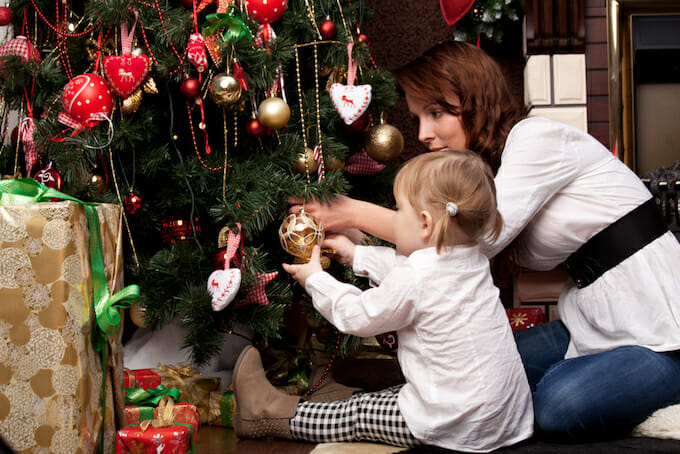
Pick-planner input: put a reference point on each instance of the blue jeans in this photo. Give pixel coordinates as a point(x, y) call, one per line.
point(594, 396)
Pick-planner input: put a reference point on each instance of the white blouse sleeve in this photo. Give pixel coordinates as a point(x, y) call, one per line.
point(388, 307)
point(535, 165)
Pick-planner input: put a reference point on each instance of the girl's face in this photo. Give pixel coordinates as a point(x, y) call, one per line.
point(439, 129)
point(407, 227)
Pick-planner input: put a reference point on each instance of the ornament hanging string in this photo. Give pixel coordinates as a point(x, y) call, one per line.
point(126, 37)
point(120, 201)
point(27, 129)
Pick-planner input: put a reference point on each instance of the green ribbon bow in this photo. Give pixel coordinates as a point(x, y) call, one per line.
point(233, 23)
point(151, 396)
point(28, 190)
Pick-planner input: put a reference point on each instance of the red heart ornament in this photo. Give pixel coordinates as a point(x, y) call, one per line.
point(126, 73)
point(351, 101)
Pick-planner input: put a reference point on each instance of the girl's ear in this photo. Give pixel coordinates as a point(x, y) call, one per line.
point(426, 226)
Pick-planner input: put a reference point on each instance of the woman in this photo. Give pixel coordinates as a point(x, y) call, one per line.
point(613, 358)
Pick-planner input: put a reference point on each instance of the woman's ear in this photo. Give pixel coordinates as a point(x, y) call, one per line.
point(426, 226)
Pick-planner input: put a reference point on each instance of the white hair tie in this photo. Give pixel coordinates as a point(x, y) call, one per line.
point(451, 208)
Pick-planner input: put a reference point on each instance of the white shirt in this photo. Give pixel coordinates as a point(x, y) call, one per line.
point(557, 187)
point(465, 384)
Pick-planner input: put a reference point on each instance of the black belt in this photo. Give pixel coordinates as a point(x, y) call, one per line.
point(615, 243)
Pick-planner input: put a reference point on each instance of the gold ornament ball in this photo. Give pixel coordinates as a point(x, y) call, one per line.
point(299, 233)
point(137, 313)
point(384, 142)
point(306, 161)
point(225, 89)
point(273, 113)
point(334, 163)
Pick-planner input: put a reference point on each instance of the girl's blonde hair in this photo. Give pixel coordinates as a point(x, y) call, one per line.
point(430, 180)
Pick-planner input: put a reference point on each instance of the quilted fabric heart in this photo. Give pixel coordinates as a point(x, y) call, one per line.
point(223, 285)
point(126, 73)
point(351, 101)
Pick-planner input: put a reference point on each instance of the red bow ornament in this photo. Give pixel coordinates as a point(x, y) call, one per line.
point(454, 10)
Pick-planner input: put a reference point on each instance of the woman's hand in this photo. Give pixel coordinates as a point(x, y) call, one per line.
point(301, 272)
point(345, 214)
point(334, 216)
point(343, 246)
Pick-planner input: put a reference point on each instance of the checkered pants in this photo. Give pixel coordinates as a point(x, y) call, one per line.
point(371, 416)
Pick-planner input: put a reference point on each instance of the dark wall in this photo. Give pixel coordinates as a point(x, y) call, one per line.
point(400, 30)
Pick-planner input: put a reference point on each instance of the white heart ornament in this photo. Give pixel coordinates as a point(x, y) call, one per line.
point(223, 285)
point(351, 101)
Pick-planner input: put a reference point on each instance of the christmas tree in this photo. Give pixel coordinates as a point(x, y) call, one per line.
point(202, 118)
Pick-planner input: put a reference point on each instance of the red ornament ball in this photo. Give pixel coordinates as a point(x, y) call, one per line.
point(86, 98)
point(266, 11)
point(49, 177)
point(133, 202)
point(363, 39)
point(328, 29)
point(5, 15)
point(188, 4)
point(360, 125)
point(255, 128)
point(220, 258)
point(190, 88)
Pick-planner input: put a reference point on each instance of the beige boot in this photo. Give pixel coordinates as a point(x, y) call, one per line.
point(259, 409)
point(329, 390)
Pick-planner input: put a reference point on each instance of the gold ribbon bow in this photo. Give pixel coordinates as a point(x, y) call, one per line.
point(165, 416)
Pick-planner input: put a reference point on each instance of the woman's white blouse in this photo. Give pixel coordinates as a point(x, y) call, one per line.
point(557, 187)
point(465, 384)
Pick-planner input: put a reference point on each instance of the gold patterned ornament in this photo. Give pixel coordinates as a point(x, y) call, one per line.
point(225, 89)
point(131, 103)
point(299, 233)
point(305, 162)
point(384, 142)
point(150, 86)
point(138, 314)
point(273, 113)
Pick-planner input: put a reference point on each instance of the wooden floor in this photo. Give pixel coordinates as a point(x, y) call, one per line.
point(220, 440)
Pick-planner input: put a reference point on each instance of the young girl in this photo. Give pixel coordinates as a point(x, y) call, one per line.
point(465, 384)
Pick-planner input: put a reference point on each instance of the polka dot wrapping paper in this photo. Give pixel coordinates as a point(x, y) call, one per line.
point(51, 377)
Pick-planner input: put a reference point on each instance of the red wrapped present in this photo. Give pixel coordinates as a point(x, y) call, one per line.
point(183, 412)
point(141, 378)
point(163, 434)
point(525, 317)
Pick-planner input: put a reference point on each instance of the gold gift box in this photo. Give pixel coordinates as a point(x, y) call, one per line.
point(51, 378)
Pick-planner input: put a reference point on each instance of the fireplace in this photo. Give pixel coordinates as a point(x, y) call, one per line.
point(644, 82)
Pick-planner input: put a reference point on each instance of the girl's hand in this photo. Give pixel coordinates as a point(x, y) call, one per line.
point(301, 272)
point(344, 247)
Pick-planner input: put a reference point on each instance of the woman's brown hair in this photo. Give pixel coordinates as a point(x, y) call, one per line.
point(487, 108)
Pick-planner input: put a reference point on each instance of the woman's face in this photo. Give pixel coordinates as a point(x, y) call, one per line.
point(438, 128)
